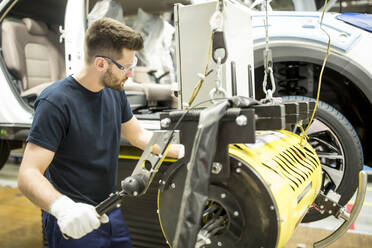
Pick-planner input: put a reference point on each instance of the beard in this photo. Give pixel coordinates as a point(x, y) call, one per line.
point(109, 80)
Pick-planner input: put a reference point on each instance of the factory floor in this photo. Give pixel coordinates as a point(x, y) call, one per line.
point(21, 221)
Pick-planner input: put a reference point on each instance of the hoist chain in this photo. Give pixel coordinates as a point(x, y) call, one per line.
point(268, 61)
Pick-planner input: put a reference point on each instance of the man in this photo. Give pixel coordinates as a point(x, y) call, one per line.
point(70, 160)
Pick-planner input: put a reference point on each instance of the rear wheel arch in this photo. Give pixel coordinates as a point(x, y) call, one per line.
point(359, 99)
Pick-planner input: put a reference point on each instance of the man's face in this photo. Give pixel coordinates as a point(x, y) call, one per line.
point(115, 78)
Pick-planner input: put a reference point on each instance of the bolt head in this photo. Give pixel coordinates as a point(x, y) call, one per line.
point(223, 195)
point(236, 213)
point(219, 243)
point(173, 185)
point(216, 168)
point(165, 123)
point(238, 170)
point(241, 120)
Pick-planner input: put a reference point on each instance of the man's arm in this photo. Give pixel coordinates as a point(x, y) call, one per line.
point(31, 180)
point(140, 137)
point(74, 219)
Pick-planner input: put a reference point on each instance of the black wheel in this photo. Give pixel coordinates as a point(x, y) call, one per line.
point(4, 152)
point(339, 151)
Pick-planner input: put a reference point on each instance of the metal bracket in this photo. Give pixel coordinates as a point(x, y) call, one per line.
point(341, 213)
point(149, 163)
point(143, 174)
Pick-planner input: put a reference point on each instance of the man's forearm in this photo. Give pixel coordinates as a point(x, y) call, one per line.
point(140, 137)
point(37, 188)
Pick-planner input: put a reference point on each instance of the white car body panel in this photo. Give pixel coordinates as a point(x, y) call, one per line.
point(74, 31)
point(12, 113)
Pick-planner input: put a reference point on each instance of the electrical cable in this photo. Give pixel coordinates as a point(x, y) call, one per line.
point(320, 75)
point(198, 86)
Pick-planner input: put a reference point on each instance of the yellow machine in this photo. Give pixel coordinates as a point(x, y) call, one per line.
point(273, 184)
point(238, 185)
point(291, 171)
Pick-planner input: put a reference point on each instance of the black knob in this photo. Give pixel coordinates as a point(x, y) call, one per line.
point(133, 185)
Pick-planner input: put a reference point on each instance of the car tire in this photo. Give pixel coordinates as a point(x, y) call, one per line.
point(4, 152)
point(350, 147)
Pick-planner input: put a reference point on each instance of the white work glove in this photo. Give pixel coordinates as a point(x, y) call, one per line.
point(76, 219)
point(181, 151)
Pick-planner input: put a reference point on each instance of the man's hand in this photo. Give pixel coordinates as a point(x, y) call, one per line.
point(176, 151)
point(76, 219)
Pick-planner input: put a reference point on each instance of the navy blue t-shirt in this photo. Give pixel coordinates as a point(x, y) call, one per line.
point(83, 129)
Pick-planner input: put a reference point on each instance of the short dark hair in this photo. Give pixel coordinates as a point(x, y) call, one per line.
point(108, 37)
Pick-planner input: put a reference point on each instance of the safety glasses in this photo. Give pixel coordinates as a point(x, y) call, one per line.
point(124, 68)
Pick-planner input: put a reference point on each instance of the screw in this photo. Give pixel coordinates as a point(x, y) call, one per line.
point(241, 120)
point(330, 211)
point(238, 170)
point(135, 193)
point(163, 182)
point(240, 164)
point(173, 185)
point(219, 243)
point(216, 167)
point(326, 199)
point(160, 181)
point(223, 195)
point(321, 206)
point(334, 204)
point(164, 123)
point(118, 205)
point(272, 207)
point(236, 213)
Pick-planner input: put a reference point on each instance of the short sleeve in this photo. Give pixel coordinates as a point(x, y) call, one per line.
point(126, 114)
point(48, 127)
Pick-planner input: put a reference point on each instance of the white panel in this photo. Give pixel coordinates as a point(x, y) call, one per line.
point(193, 38)
point(11, 110)
point(75, 24)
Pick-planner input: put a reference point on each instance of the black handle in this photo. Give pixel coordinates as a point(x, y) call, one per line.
point(108, 204)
